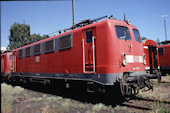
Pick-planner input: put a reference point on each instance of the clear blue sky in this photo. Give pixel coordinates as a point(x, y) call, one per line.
point(45, 17)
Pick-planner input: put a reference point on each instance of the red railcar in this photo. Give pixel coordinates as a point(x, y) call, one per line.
point(102, 53)
point(152, 59)
point(164, 58)
point(6, 65)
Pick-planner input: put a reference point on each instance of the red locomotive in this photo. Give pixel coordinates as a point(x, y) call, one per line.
point(99, 54)
point(152, 59)
point(6, 65)
point(164, 58)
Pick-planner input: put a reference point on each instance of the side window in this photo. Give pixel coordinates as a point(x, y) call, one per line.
point(161, 50)
point(20, 54)
point(137, 36)
point(28, 51)
point(89, 35)
point(10, 57)
point(122, 33)
point(37, 49)
point(49, 46)
point(65, 42)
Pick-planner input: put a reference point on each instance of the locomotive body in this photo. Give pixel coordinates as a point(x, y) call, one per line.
point(152, 59)
point(104, 53)
point(164, 53)
point(6, 65)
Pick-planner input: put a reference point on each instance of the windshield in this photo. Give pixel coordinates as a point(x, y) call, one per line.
point(122, 32)
point(137, 36)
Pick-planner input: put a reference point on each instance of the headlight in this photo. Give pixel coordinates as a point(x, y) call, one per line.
point(124, 62)
point(144, 61)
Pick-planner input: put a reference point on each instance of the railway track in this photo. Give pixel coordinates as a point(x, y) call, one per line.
point(145, 105)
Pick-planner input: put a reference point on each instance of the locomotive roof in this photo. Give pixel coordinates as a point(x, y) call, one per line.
point(167, 45)
point(123, 23)
point(164, 42)
point(149, 42)
point(6, 52)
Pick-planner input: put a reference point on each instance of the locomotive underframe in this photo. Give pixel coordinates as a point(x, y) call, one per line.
point(129, 83)
point(5, 75)
point(104, 79)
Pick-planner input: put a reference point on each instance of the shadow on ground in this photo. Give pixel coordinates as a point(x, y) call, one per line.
point(76, 94)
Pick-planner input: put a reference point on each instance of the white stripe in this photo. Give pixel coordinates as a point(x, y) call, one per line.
point(129, 59)
point(147, 68)
point(140, 59)
point(146, 47)
point(133, 59)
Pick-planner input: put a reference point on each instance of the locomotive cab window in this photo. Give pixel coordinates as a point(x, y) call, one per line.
point(49, 46)
point(10, 57)
point(89, 35)
point(137, 36)
point(37, 49)
point(65, 42)
point(161, 50)
point(122, 33)
point(28, 51)
point(20, 54)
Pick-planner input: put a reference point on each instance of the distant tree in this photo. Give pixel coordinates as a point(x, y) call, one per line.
point(144, 38)
point(45, 36)
point(20, 35)
point(35, 37)
point(157, 41)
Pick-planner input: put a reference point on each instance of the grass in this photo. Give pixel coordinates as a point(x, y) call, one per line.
point(18, 110)
point(99, 107)
point(166, 78)
point(120, 107)
point(7, 96)
point(6, 104)
point(163, 110)
point(37, 99)
point(160, 108)
point(48, 109)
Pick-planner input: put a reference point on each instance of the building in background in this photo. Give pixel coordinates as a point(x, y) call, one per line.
point(3, 49)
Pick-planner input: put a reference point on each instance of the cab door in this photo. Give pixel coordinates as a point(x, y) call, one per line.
point(89, 36)
point(14, 62)
point(2, 64)
point(153, 57)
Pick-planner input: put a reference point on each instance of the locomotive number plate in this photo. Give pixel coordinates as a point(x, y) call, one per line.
point(37, 59)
